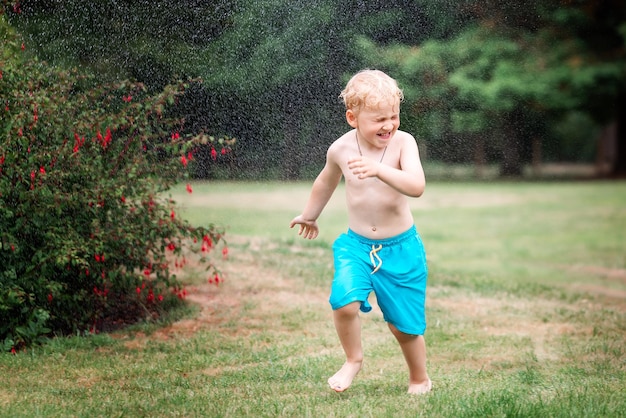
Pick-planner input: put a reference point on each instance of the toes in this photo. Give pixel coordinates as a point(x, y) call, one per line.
point(336, 386)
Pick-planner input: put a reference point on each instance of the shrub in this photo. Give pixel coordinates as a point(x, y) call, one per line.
point(86, 234)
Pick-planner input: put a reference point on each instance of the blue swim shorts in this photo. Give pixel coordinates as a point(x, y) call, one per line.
point(394, 269)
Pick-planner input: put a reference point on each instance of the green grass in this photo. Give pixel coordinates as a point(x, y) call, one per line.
point(526, 317)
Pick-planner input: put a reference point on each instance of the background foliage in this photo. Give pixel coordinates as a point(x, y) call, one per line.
point(489, 82)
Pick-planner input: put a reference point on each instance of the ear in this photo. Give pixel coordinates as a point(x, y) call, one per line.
point(351, 118)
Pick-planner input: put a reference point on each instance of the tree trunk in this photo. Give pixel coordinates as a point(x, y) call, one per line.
point(606, 150)
point(511, 165)
point(479, 156)
point(537, 156)
point(619, 168)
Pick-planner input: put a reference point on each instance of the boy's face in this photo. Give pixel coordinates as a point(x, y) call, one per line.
point(376, 125)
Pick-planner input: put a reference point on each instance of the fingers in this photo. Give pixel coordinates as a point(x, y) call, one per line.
point(308, 232)
point(355, 162)
point(305, 230)
point(361, 167)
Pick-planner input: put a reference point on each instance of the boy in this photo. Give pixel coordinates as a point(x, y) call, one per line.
point(381, 251)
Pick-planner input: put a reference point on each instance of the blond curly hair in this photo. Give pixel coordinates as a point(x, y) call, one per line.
point(370, 88)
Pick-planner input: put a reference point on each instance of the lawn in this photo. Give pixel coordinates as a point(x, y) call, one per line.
point(526, 316)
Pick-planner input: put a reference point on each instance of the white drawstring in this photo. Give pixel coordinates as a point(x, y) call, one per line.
point(373, 254)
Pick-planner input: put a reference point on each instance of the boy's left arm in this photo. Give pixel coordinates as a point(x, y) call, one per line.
point(408, 180)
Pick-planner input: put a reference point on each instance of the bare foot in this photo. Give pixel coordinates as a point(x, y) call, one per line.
point(342, 380)
point(420, 388)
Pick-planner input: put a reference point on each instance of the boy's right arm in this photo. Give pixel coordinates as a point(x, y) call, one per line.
point(321, 192)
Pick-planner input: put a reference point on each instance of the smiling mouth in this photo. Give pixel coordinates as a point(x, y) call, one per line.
point(386, 135)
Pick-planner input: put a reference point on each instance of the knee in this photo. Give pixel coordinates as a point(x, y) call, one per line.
point(401, 336)
point(348, 311)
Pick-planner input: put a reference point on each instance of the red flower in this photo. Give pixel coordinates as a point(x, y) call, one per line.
point(78, 142)
point(183, 160)
point(224, 151)
point(123, 199)
point(50, 297)
point(127, 99)
point(107, 137)
point(189, 189)
point(216, 279)
point(99, 292)
point(208, 240)
point(23, 46)
point(172, 215)
point(213, 153)
point(175, 136)
point(225, 252)
point(13, 351)
point(160, 298)
point(138, 290)
point(106, 140)
point(171, 246)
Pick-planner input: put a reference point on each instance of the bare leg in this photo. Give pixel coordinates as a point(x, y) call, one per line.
point(348, 326)
point(414, 350)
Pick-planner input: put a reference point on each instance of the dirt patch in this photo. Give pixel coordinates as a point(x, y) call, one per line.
point(6, 398)
point(613, 297)
point(248, 286)
point(529, 319)
point(618, 275)
point(608, 287)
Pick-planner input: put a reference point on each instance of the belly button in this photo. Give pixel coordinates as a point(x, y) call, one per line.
point(373, 228)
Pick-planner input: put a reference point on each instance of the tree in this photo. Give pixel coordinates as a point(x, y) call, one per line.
point(507, 82)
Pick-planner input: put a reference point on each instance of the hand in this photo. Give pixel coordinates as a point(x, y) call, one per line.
point(363, 167)
point(308, 228)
